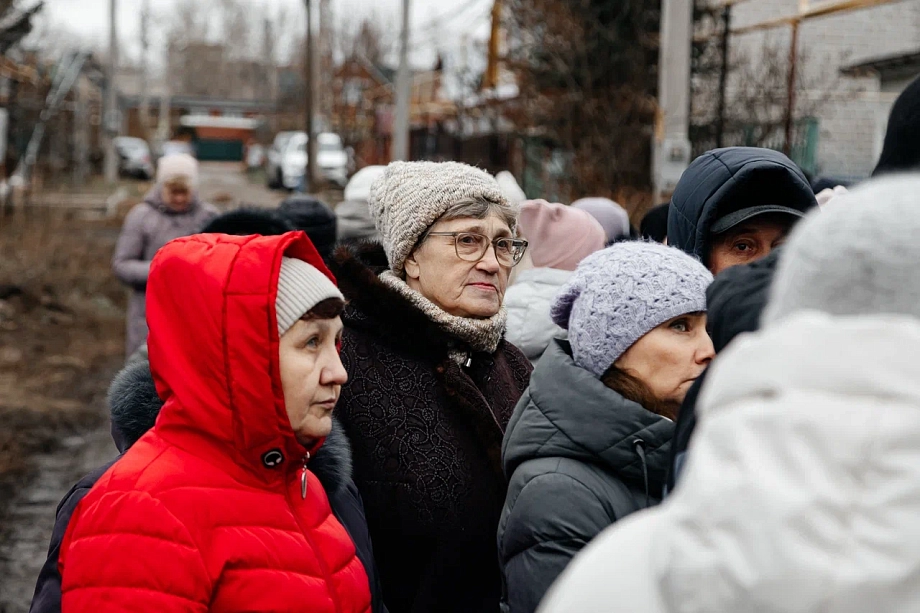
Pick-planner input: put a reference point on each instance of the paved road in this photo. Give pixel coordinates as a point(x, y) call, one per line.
point(27, 528)
point(32, 513)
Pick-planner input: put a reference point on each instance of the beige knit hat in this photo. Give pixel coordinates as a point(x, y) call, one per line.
point(178, 165)
point(300, 288)
point(411, 196)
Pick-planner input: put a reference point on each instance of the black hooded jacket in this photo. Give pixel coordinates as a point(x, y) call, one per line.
point(134, 406)
point(735, 301)
point(727, 179)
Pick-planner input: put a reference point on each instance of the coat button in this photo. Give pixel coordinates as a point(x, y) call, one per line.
point(272, 458)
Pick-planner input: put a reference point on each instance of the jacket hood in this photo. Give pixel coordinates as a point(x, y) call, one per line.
point(528, 302)
point(718, 179)
point(810, 429)
point(567, 412)
point(213, 345)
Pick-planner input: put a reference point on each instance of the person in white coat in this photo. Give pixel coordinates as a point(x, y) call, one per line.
point(802, 491)
point(559, 237)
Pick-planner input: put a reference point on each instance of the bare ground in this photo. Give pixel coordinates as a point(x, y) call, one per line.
point(61, 342)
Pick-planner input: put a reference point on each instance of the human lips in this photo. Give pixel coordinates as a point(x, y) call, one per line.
point(327, 404)
point(484, 286)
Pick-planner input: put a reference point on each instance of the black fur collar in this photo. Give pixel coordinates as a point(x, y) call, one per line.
point(134, 407)
point(379, 309)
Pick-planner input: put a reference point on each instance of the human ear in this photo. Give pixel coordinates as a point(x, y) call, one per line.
point(413, 270)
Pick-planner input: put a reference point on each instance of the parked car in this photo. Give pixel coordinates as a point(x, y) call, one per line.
point(134, 158)
point(273, 157)
point(332, 160)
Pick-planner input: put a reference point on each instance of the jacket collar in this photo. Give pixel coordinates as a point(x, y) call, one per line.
point(134, 405)
point(572, 414)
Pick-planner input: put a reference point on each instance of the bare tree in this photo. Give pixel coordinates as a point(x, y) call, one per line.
point(586, 71)
point(372, 37)
point(756, 88)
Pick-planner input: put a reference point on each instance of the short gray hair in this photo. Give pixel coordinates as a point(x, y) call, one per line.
point(478, 207)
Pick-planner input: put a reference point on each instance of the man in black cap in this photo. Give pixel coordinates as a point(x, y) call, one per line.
point(735, 205)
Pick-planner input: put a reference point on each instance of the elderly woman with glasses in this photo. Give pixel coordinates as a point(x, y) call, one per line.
point(432, 381)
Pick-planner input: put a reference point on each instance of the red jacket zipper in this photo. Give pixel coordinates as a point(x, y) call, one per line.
point(306, 534)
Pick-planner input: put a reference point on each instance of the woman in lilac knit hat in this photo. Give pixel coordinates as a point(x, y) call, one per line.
point(589, 441)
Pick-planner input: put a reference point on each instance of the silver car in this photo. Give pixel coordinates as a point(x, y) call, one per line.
point(134, 158)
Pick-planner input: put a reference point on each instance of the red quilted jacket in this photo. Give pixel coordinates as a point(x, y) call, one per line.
point(207, 512)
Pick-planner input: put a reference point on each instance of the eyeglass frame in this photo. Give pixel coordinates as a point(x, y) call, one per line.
point(492, 242)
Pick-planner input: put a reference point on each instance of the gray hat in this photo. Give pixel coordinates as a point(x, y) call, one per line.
point(300, 288)
point(856, 256)
point(619, 294)
point(411, 196)
point(729, 221)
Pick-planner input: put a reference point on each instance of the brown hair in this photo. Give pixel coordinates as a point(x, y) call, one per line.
point(632, 388)
point(330, 308)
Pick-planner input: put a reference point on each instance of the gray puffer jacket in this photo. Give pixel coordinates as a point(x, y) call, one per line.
point(149, 226)
point(578, 457)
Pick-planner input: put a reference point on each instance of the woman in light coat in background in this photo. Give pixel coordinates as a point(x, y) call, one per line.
point(170, 210)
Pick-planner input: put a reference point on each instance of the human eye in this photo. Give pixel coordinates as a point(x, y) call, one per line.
point(467, 239)
point(504, 244)
point(311, 342)
point(745, 246)
point(680, 325)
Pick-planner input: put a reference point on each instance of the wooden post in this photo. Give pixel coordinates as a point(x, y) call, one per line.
point(790, 102)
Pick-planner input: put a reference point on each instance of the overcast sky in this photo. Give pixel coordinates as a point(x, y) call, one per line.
point(89, 19)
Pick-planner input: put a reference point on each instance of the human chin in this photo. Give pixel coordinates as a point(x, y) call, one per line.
point(482, 305)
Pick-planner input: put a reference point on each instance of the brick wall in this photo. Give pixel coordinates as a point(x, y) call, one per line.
point(854, 117)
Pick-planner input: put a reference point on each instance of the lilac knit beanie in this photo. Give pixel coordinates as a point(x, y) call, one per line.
point(619, 294)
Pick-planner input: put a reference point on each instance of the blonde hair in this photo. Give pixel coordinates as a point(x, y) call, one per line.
point(178, 183)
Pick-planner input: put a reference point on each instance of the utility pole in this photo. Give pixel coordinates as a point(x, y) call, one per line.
point(312, 145)
point(145, 77)
point(112, 111)
point(491, 80)
point(790, 90)
point(723, 74)
point(400, 148)
point(672, 142)
point(326, 61)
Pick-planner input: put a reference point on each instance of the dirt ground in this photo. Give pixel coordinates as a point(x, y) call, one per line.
point(61, 342)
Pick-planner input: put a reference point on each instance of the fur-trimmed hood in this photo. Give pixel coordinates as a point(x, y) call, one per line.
point(375, 307)
point(134, 406)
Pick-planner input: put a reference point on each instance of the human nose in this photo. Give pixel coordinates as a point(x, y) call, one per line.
point(489, 261)
point(334, 372)
point(705, 352)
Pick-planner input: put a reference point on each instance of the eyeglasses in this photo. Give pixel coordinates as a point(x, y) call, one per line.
point(472, 247)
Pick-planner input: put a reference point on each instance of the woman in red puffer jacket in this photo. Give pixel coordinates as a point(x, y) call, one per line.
point(216, 508)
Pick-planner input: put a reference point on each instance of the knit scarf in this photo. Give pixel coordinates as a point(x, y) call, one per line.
point(479, 334)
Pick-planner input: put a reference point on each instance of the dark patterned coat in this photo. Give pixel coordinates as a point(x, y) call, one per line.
point(426, 435)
